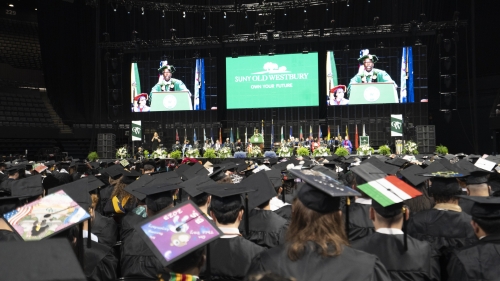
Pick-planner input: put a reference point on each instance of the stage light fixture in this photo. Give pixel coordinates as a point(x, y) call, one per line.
point(184, 14)
point(246, 15)
point(305, 9)
point(347, 3)
point(224, 14)
point(11, 5)
point(173, 31)
point(162, 13)
point(142, 9)
point(113, 5)
point(369, 1)
point(204, 16)
point(128, 7)
point(285, 13)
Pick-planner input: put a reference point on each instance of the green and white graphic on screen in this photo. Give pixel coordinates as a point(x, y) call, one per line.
point(272, 81)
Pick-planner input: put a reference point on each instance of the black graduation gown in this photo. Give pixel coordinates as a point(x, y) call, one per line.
point(466, 205)
point(105, 196)
point(360, 224)
point(350, 265)
point(230, 258)
point(445, 230)
point(285, 212)
point(63, 178)
point(9, 236)
point(420, 262)
point(100, 263)
point(478, 262)
point(137, 260)
point(105, 229)
point(267, 229)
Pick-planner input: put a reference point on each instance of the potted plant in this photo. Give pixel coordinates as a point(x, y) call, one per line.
point(321, 151)
point(341, 151)
point(176, 154)
point(365, 149)
point(160, 153)
point(209, 153)
point(410, 147)
point(303, 151)
point(92, 156)
point(384, 150)
point(441, 149)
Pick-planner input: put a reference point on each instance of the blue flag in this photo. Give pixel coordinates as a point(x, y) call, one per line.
point(211, 136)
point(290, 132)
point(231, 139)
point(194, 135)
point(272, 136)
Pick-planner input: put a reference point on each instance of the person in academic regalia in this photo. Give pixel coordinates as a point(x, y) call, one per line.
point(480, 261)
point(317, 247)
point(103, 227)
point(121, 201)
point(137, 259)
point(276, 203)
point(347, 144)
point(418, 261)
point(445, 226)
point(266, 228)
point(176, 146)
point(477, 185)
point(231, 255)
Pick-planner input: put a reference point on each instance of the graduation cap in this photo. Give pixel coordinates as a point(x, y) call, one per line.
point(386, 168)
point(176, 232)
point(412, 175)
point(93, 183)
point(115, 171)
point(159, 194)
point(484, 207)
point(182, 168)
point(477, 177)
point(191, 186)
point(445, 186)
point(193, 171)
point(399, 162)
point(265, 189)
point(129, 176)
point(141, 182)
point(51, 259)
point(13, 192)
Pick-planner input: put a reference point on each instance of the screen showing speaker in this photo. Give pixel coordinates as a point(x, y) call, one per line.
point(182, 84)
point(376, 76)
point(289, 80)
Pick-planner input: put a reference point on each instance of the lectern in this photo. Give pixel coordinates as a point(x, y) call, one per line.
point(171, 101)
point(373, 93)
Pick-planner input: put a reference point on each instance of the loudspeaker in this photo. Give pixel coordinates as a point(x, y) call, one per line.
point(426, 138)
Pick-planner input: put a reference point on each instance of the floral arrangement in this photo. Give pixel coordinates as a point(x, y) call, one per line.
point(193, 152)
point(341, 151)
point(121, 153)
point(284, 151)
point(176, 154)
point(209, 153)
point(255, 152)
point(384, 150)
point(303, 151)
point(321, 151)
point(160, 153)
point(410, 147)
point(224, 152)
point(441, 149)
point(92, 156)
point(365, 149)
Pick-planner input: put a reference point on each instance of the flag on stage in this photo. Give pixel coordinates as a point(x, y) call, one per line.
point(320, 134)
point(338, 130)
point(185, 134)
point(328, 136)
point(220, 135)
point(410, 91)
point(290, 132)
point(246, 136)
point(346, 131)
point(404, 76)
point(212, 136)
point(237, 133)
point(310, 131)
point(356, 138)
point(301, 136)
point(231, 139)
point(282, 134)
point(176, 135)
point(272, 135)
point(204, 135)
point(194, 135)
point(364, 134)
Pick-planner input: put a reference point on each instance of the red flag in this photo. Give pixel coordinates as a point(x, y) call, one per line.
point(220, 135)
point(176, 135)
point(356, 137)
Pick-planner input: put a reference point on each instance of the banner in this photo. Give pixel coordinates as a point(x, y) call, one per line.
point(136, 131)
point(396, 125)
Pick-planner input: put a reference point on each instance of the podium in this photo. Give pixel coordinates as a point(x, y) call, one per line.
point(171, 101)
point(373, 93)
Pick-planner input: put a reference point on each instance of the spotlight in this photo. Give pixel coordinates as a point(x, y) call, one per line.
point(184, 14)
point(142, 9)
point(369, 1)
point(246, 15)
point(11, 5)
point(128, 7)
point(347, 3)
point(305, 9)
point(163, 13)
point(204, 16)
point(113, 5)
point(285, 13)
point(224, 14)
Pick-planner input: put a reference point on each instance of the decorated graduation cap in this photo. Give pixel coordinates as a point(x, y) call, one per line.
point(170, 68)
point(374, 58)
point(176, 232)
point(484, 207)
point(51, 259)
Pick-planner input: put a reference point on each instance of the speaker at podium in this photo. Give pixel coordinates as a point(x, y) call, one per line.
point(171, 101)
point(373, 93)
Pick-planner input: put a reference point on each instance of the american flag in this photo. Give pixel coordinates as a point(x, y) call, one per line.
point(16, 215)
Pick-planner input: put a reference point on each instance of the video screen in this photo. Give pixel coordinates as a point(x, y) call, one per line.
point(377, 76)
point(272, 81)
point(180, 84)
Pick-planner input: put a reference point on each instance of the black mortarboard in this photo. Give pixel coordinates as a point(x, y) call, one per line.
point(467, 166)
point(326, 171)
point(93, 183)
point(94, 165)
point(275, 178)
point(176, 232)
point(444, 186)
point(320, 192)
point(400, 162)
point(265, 189)
point(484, 207)
point(182, 168)
point(477, 177)
point(386, 168)
point(115, 171)
point(138, 184)
point(26, 188)
point(412, 175)
point(191, 186)
point(282, 165)
point(50, 259)
point(159, 194)
point(195, 170)
point(129, 177)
